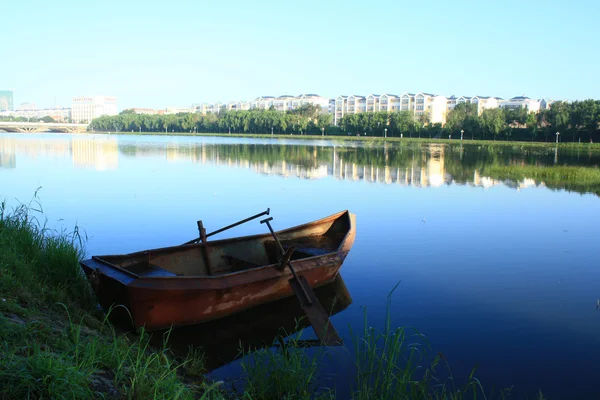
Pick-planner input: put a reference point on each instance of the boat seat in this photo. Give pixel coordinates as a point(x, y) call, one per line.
point(154, 270)
point(300, 251)
point(237, 264)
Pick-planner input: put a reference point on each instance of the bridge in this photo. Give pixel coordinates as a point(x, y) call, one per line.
point(30, 127)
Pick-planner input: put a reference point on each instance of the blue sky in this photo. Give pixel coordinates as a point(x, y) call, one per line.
point(181, 52)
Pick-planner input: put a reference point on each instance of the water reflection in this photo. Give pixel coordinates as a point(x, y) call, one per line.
point(258, 327)
point(418, 165)
point(99, 153)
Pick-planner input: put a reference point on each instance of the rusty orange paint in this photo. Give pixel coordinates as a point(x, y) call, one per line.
point(172, 286)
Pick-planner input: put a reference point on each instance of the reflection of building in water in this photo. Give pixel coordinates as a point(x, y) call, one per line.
point(424, 170)
point(34, 147)
point(487, 182)
point(8, 158)
point(98, 153)
point(286, 169)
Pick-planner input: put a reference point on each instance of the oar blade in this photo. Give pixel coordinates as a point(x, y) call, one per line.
point(318, 318)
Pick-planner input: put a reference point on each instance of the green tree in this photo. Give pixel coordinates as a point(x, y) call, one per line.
point(494, 121)
point(532, 125)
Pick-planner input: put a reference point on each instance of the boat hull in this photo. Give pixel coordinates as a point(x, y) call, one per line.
point(162, 302)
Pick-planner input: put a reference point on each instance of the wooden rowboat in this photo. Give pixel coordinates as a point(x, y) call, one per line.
point(193, 283)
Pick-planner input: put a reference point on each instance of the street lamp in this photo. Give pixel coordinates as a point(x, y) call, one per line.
point(557, 133)
point(230, 130)
point(385, 132)
point(461, 134)
point(271, 131)
point(322, 131)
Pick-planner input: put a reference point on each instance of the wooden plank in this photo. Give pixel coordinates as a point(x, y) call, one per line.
point(317, 316)
point(202, 231)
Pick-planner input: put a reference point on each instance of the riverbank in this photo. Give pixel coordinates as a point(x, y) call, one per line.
point(56, 344)
point(372, 139)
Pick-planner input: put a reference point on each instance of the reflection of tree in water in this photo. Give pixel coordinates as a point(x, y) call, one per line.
point(411, 163)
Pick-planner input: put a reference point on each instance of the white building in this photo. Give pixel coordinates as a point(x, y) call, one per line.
point(178, 110)
point(545, 104)
point(206, 108)
point(86, 108)
point(26, 107)
point(532, 106)
point(145, 111)
point(58, 114)
point(345, 105)
point(485, 103)
point(289, 102)
point(389, 103)
point(436, 108)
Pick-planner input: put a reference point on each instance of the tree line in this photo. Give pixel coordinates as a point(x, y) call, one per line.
point(574, 121)
point(307, 119)
point(47, 119)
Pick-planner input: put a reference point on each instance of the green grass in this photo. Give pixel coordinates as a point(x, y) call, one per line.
point(55, 344)
point(578, 179)
point(392, 364)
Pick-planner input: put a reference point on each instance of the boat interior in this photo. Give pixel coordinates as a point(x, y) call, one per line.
point(237, 254)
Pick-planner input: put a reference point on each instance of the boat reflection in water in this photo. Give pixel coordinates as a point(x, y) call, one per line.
point(223, 340)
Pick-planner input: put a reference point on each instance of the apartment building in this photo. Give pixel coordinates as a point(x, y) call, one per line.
point(237, 106)
point(146, 111)
point(417, 104)
point(345, 105)
point(179, 110)
point(6, 100)
point(86, 108)
point(545, 104)
point(58, 114)
point(532, 106)
point(389, 103)
point(485, 103)
point(288, 102)
point(206, 108)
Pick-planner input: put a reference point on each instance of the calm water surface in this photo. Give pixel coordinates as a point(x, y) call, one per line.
point(499, 275)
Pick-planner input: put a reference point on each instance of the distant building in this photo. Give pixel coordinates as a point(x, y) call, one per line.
point(206, 108)
point(389, 103)
point(485, 103)
point(86, 108)
point(26, 107)
point(6, 100)
point(436, 108)
point(545, 104)
point(146, 111)
point(178, 110)
point(532, 106)
point(238, 106)
point(58, 114)
point(282, 103)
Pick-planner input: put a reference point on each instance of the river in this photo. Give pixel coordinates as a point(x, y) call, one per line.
point(498, 274)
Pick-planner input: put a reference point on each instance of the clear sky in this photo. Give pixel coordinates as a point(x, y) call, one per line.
point(175, 53)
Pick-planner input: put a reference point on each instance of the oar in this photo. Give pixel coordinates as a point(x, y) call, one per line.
point(317, 316)
point(266, 212)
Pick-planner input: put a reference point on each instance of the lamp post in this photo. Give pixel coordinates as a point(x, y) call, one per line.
point(229, 130)
point(557, 134)
point(271, 131)
point(322, 131)
point(385, 132)
point(461, 134)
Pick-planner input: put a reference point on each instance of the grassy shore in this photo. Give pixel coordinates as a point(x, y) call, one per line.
point(578, 179)
point(372, 139)
point(54, 343)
